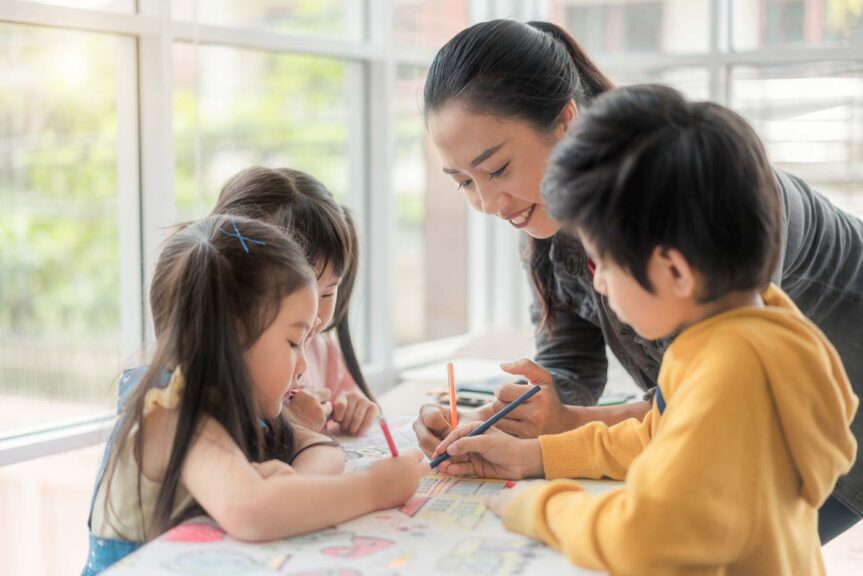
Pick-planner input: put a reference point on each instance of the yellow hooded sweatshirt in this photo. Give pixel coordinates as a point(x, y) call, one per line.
point(726, 480)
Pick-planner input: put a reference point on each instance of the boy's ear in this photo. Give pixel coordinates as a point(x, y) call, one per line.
point(677, 274)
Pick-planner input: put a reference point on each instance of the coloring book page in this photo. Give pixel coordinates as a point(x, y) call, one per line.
point(444, 528)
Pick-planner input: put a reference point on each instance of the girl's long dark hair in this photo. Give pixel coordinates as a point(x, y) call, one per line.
point(211, 300)
point(302, 205)
point(528, 72)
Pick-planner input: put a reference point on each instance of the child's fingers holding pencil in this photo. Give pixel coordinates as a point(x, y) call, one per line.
point(456, 434)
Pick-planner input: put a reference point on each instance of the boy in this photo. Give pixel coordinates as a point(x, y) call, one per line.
point(677, 207)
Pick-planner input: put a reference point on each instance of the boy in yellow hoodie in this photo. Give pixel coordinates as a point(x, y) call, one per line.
point(678, 209)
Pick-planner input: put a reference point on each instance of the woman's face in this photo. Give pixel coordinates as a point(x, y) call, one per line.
point(498, 163)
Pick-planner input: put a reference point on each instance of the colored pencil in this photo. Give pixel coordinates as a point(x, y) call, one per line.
point(492, 421)
point(389, 437)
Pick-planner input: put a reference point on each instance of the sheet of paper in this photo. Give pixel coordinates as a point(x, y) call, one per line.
point(444, 529)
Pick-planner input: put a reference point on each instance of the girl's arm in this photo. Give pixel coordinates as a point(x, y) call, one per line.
point(316, 453)
point(254, 508)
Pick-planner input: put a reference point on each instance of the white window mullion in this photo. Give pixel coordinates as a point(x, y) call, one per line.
point(155, 73)
point(379, 223)
point(129, 200)
point(36, 14)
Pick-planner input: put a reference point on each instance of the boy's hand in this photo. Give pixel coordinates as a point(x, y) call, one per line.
point(497, 504)
point(393, 480)
point(354, 412)
point(543, 413)
point(494, 454)
point(269, 468)
point(310, 407)
point(433, 424)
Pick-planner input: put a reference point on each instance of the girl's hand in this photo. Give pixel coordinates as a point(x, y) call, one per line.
point(269, 468)
point(393, 480)
point(494, 454)
point(543, 413)
point(310, 407)
point(354, 412)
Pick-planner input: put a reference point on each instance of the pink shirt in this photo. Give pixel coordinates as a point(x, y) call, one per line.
point(326, 366)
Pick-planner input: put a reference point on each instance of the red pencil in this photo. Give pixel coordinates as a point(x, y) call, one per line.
point(389, 437)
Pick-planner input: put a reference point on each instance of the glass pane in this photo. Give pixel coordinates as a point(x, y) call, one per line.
point(45, 504)
point(430, 251)
point(766, 23)
point(428, 24)
point(693, 82)
point(60, 286)
point(342, 19)
point(811, 121)
point(631, 26)
point(101, 5)
point(241, 108)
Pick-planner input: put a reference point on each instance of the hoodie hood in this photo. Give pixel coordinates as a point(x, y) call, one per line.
point(815, 419)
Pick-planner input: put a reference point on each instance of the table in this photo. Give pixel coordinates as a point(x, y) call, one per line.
point(444, 529)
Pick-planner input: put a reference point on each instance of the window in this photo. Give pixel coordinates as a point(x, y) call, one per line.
point(783, 23)
point(428, 24)
point(60, 220)
point(636, 26)
point(810, 118)
point(107, 5)
point(331, 18)
point(693, 82)
point(276, 110)
point(430, 252)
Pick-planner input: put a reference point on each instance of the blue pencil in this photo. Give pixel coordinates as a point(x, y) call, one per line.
point(492, 421)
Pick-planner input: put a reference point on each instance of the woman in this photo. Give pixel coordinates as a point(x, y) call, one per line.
point(498, 96)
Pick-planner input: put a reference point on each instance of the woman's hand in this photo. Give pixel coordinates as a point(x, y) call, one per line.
point(354, 412)
point(392, 481)
point(543, 413)
point(310, 407)
point(493, 454)
point(433, 424)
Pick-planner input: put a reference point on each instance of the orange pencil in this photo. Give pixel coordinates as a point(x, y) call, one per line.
point(452, 400)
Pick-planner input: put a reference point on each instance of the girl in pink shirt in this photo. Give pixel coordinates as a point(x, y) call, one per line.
point(332, 389)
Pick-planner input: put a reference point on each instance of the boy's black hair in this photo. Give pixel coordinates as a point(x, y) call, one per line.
point(645, 168)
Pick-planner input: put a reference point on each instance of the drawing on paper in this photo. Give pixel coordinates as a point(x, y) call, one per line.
point(212, 562)
point(327, 572)
point(194, 532)
point(363, 451)
point(458, 502)
point(359, 547)
point(489, 556)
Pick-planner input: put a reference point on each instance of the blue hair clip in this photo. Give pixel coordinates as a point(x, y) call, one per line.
point(243, 239)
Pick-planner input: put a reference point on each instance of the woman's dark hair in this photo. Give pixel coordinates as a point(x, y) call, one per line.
point(213, 295)
point(302, 206)
point(645, 168)
point(528, 72)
